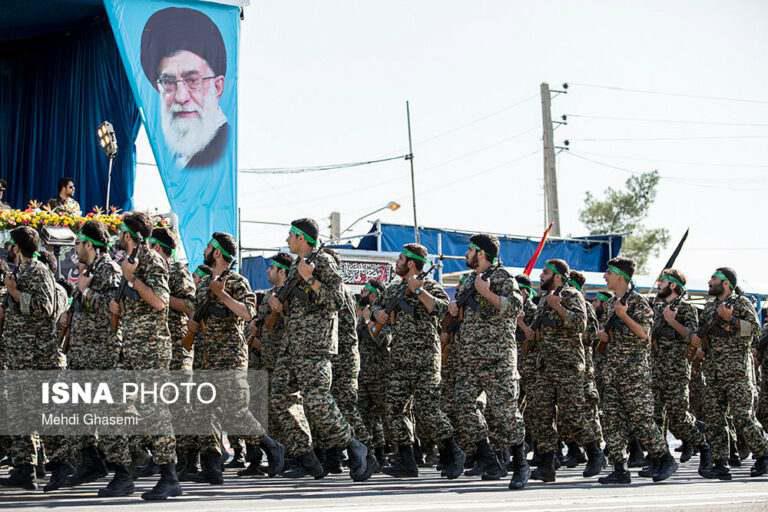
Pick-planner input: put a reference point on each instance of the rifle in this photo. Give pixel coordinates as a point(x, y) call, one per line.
point(614, 321)
point(398, 302)
point(466, 298)
point(287, 291)
point(258, 324)
point(76, 307)
point(122, 292)
point(708, 329)
point(201, 314)
point(537, 321)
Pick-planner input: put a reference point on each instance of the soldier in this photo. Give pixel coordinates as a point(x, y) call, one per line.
point(374, 369)
point(675, 320)
point(526, 351)
point(591, 413)
point(29, 339)
point(561, 320)
point(229, 301)
point(311, 318)
point(413, 307)
point(487, 362)
point(727, 325)
point(143, 312)
point(628, 397)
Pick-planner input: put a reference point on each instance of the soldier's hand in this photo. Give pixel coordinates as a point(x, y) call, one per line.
point(695, 341)
point(602, 336)
point(217, 286)
point(10, 282)
point(725, 312)
point(553, 300)
point(114, 307)
point(275, 304)
point(414, 284)
point(699, 355)
point(306, 269)
point(381, 316)
point(669, 314)
point(620, 309)
point(83, 282)
point(481, 285)
point(64, 319)
point(453, 308)
point(129, 269)
point(193, 325)
point(255, 343)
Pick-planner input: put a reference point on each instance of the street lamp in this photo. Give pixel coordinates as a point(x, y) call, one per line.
point(392, 205)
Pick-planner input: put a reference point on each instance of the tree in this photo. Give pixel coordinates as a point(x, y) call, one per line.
point(623, 211)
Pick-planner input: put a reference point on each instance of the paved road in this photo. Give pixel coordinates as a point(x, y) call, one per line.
point(428, 493)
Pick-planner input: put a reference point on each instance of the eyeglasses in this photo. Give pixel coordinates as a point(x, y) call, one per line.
point(169, 84)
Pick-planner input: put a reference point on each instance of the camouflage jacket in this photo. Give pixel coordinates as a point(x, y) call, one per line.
point(181, 286)
point(488, 333)
point(224, 336)
point(272, 342)
point(593, 326)
point(92, 343)
point(667, 341)
point(625, 350)
point(374, 351)
point(727, 344)
point(29, 337)
point(349, 354)
point(311, 317)
point(417, 332)
point(146, 339)
point(559, 341)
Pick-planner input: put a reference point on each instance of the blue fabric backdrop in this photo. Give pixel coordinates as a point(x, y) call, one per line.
point(54, 92)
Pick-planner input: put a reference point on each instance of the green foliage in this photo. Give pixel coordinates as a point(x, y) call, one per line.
point(623, 211)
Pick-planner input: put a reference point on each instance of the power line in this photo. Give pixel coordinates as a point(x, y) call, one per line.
point(665, 139)
point(674, 94)
point(317, 168)
point(480, 150)
point(665, 121)
point(677, 162)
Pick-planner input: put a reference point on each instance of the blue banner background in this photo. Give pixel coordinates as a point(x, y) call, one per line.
point(204, 198)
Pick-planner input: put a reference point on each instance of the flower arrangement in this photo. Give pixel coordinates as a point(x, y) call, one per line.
point(38, 216)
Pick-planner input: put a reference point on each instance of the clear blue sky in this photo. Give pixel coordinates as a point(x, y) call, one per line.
point(325, 82)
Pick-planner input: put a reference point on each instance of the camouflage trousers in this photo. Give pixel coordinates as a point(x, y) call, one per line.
point(344, 388)
point(310, 376)
point(672, 403)
point(372, 404)
point(627, 405)
point(557, 408)
point(762, 400)
point(415, 380)
point(731, 393)
point(696, 388)
point(501, 420)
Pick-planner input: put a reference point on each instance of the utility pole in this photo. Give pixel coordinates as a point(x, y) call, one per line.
point(551, 203)
point(413, 180)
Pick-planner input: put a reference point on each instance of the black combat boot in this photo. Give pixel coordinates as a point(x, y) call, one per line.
point(453, 458)
point(23, 476)
point(649, 469)
point(167, 487)
point(720, 471)
point(545, 471)
point(496, 471)
point(575, 456)
point(380, 457)
point(665, 467)
point(306, 464)
point(238, 459)
point(405, 467)
point(636, 454)
point(485, 460)
point(275, 455)
point(760, 467)
point(734, 460)
point(211, 469)
point(254, 454)
point(687, 452)
point(705, 457)
point(120, 485)
point(521, 471)
point(91, 467)
point(359, 469)
point(147, 470)
point(59, 473)
point(332, 462)
point(620, 475)
point(595, 462)
point(190, 466)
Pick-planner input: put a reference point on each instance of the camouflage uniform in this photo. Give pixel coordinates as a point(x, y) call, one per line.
point(182, 287)
point(672, 371)
point(346, 367)
point(727, 368)
point(415, 365)
point(526, 356)
point(628, 397)
point(374, 370)
point(146, 346)
point(29, 339)
point(225, 348)
point(561, 374)
point(488, 363)
point(311, 338)
point(591, 412)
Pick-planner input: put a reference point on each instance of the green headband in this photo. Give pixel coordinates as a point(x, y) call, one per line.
point(201, 273)
point(216, 245)
point(85, 238)
point(722, 277)
point(299, 232)
point(603, 297)
point(553, 269)
point(277, 264)
point(573, 283)
point(125, 229)
point(531, 293)
point(474, 246)
point(619, 272)
point(371, 288)
point(413, 256)
point(152, 240)
point(672, 279)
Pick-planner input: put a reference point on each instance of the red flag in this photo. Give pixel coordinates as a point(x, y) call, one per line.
point(537, 252)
